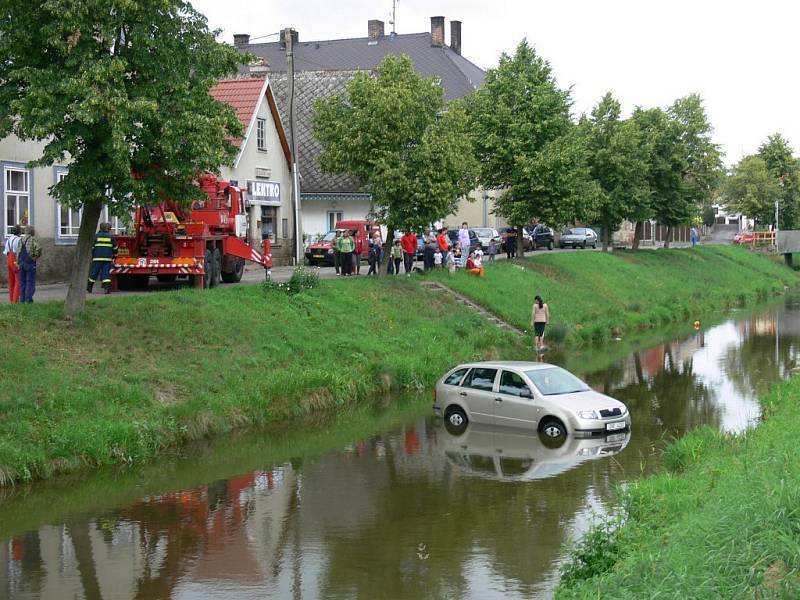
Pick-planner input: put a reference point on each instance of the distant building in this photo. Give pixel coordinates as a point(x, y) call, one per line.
point(323, 68)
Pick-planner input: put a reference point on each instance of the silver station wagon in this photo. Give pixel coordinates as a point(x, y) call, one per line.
point(530, 395)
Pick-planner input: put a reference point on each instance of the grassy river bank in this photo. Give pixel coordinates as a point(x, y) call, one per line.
point(138, 375)
point(722, 521)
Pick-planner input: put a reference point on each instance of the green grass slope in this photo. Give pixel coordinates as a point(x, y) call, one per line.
point(140, 374)
point(594, 296)
point(722, 522)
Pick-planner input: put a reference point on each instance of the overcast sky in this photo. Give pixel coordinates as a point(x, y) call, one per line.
point(739, 56)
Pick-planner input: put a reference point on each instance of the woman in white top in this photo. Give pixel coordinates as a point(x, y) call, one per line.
point(540, 316)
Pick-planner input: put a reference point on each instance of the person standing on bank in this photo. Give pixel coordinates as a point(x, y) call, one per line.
point(540, 316)
point(359, 250)
point(104, 252)
point(396, 257)
point(463, 239)
point(337, 252)
point(11, 250)
point(30, 251)
point(346, 247)
point(409, 244)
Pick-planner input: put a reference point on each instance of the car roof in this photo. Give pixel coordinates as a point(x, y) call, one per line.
point(514, 364)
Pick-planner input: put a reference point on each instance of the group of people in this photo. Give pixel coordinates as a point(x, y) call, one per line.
point(22, 251)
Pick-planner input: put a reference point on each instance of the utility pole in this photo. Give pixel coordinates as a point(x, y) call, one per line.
point(394, 16)
point(288, 37)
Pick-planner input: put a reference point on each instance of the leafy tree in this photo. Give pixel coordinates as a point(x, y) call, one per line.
point(709, 215)
point(527, 143)
point(618, 163)
point(410, 150)
point(785, 169)
point(119, 91)
point(751, 189)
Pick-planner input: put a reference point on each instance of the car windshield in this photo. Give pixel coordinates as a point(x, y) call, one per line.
point(555, 380)
point(481, 232)
point(329, 237)
point(576, 231)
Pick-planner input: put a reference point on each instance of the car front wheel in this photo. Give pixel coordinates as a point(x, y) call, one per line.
point(553, 429)
point(550, 245)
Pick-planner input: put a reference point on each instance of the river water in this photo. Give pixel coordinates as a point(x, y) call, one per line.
point(411, 512)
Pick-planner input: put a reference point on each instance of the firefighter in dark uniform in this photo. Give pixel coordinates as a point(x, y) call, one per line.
point(103, 253)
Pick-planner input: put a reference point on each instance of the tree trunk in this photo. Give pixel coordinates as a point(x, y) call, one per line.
point(520, 241)
point(668, 236)
point(606, 236)
point(638, 230)
point(76, 296)
point(387, 246)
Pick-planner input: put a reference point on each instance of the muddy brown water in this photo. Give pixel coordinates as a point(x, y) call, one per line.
point(412, 512)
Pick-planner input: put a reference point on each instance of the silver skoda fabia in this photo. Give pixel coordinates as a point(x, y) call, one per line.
point(530, 395)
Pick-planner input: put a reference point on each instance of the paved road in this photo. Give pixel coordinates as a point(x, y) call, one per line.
point(253, 275)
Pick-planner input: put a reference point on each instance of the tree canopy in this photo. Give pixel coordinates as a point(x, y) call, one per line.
point(409, 148)
point(752, 190)
point(119, 91)
point(527, 143)
point(784, 168)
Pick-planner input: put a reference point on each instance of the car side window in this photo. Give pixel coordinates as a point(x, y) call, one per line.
point(481, 379)
point(513, 385)
point(455, 377)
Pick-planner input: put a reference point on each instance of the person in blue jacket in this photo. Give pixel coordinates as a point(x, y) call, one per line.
point(103, 253)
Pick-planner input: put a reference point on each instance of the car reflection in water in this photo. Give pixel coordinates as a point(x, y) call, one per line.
point(504, 454)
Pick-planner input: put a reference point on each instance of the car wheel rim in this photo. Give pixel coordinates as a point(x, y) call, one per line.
point(456, 420)
point(552, 431)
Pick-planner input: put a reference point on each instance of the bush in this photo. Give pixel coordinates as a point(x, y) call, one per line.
point(595, 554)
point(302, 279)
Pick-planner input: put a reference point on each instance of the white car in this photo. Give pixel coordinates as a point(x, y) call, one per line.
point(500, 453)
point(535, 396)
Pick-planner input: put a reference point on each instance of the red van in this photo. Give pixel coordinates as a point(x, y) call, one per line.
point(321, 252)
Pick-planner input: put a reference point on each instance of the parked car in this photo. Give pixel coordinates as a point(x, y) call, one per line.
point(321, 251)
point(541, 237)
point(503, 454)
point(474, 241)
point(486, 235)
point(578, 237)
point(527, 240)
point(744, 237)
point(535, 396)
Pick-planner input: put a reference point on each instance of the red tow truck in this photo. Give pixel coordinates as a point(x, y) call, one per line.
point(205, 243)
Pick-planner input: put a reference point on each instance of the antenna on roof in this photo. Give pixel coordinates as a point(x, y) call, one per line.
point(394, 16)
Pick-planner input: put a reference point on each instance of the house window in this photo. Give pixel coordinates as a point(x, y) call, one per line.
point(285, 228)
point(268, 223)
point(69, 219)
point(261, 135)
point(334, 216)
point(17, 197)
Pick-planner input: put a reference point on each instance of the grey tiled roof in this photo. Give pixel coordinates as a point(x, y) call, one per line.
point(458, 75)
point(324, 68)
point(309, 86)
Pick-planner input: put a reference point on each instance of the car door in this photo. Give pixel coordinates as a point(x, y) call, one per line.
point(514, 402)
point(477, 393)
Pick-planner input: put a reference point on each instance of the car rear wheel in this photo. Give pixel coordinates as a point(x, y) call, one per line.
point(553, 429)
point(455, 420)
point(550, 245)
point(583, 245)
point(594, 246)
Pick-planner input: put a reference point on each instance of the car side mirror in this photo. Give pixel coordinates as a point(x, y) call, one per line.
point(526, 393)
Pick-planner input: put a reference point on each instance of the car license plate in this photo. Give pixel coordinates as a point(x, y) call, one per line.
point(615, 426)
point(319, 256)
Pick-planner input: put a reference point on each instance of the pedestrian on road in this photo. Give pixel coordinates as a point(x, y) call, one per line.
point(337, 252)
point(377, 241)
point(396, 256)
point(103, 253)
point(347, 247)
point(695, 237)
point(540, 316)
point(444, 243)
point(11, 250)
point(491, 250)
point(359, 250)
point(409, 244)
point(463, 238)
point(429, 249)
point(511, 243)
point(372, 260)
point(30, 251)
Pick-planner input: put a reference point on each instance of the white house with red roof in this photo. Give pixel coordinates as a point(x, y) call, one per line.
point(263, 164)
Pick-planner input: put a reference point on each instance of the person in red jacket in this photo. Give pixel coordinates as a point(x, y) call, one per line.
point(359, 251)
point(409, 245)
point(444, 244)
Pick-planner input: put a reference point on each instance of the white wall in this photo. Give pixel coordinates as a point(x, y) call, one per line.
point(315, 213)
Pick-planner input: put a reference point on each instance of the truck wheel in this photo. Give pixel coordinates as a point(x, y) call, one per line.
point(208, 267)
point(234, 276)
point(216, 263)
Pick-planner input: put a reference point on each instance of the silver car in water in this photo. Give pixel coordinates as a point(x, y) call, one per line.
point(532, 395)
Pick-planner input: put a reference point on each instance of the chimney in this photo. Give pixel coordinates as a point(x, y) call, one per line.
point(374, 30)
point(455, 36)
point(241, 39)
point(295, 37)
point(437, 31)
